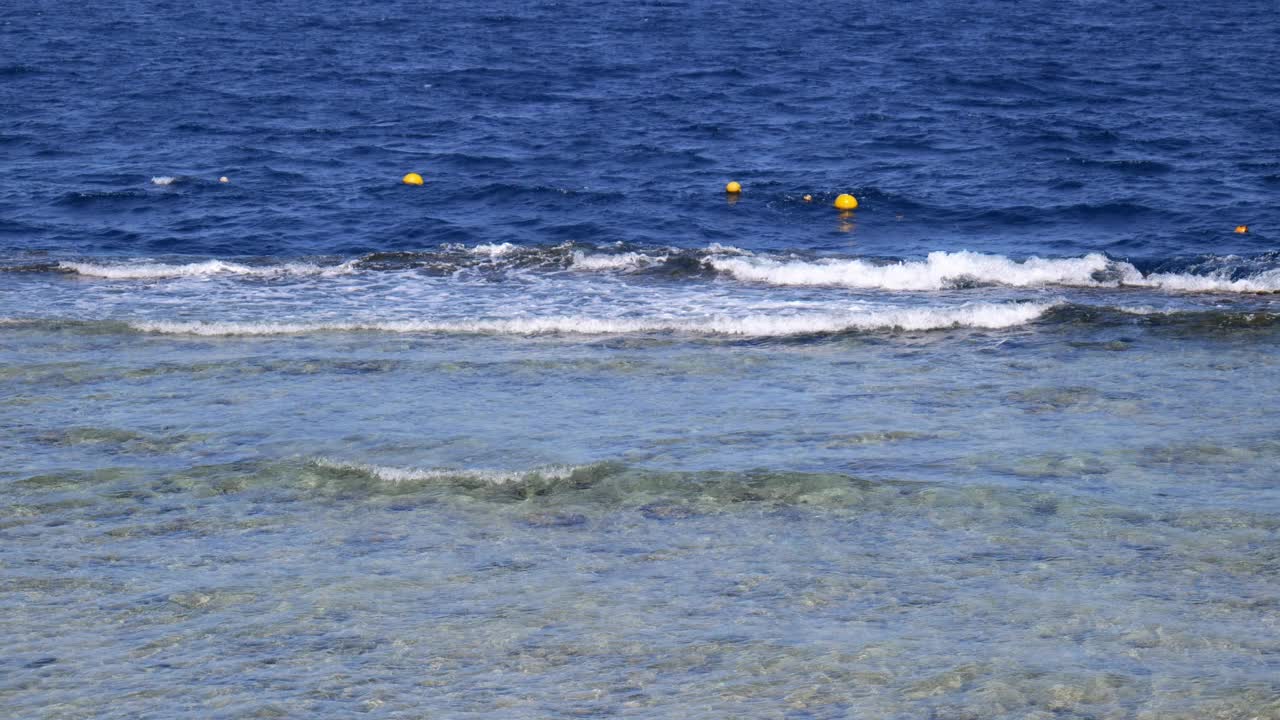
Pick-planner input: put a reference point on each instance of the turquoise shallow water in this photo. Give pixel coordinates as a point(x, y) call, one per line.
point(1068, 519)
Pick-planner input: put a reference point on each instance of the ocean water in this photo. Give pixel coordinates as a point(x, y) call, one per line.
point(568, 431)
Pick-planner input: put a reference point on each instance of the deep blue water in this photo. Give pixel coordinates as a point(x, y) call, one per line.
point(569, 431)
point(1031, 128)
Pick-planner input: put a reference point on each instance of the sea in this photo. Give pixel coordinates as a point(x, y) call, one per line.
point(568, 430)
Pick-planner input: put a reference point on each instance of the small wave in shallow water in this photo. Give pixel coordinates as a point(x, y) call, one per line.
point(977, 315)
point(401, 477)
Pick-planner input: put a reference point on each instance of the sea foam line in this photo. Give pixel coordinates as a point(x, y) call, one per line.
point(622, 261)
point(1264, 282)
point(942, 270)
point(397, 475)
point(207, 268)
point(975, 315)
point(493, 250)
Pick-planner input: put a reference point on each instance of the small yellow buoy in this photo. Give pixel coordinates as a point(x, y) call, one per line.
point(1242, 229)
point(808, 198)
point(223, 179)
point(846, 202)
point(412, 179)
point(733, 187)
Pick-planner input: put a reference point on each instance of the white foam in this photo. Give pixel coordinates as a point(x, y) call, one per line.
point(163, 180)
point(1265, 282)
point(636, 260)
point(493, 250)
point(716, 248)
point(621, 261)
point(148, 271)
point(940, 270)
point(975, 315)
point(397, 476)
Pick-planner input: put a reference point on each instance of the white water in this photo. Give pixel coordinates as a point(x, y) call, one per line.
point(938, 271)
point(943, 270)
point(978, 315)
point(399, 475)
point(504, 289)
point(152, 271)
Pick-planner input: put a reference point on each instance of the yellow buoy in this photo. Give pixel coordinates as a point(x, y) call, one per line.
point(412, 179)
point(846, 202)
point(1242, 229)
point(733, 187)
point(223, 179)
point(808, 198)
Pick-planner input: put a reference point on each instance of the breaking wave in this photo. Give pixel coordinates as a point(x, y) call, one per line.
point(493, 250)
point(976, 315)
point(940, 270)
point(146, 271)
point(1264, 282)
point(948, 270)
point(1010, 315)
point(402, 476)
point(623, 261)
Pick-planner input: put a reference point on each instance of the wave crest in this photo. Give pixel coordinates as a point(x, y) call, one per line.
point(402, 476)
point(976, 315)
point(207, 268)
point(947, 270)
point(941, 270)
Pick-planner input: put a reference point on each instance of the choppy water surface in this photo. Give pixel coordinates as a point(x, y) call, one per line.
point(567, 432)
